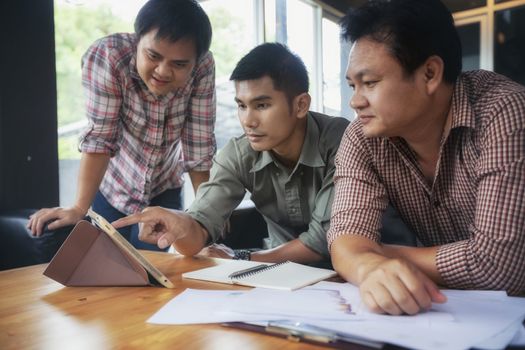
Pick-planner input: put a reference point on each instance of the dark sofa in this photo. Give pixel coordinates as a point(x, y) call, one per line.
point(19, 248)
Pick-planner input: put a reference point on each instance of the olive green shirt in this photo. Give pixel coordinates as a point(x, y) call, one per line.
point(294, 203)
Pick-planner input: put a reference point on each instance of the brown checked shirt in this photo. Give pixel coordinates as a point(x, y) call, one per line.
point(475, 208)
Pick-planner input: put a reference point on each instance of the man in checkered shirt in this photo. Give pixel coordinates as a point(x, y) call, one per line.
point(150, 102)
point(445, 148)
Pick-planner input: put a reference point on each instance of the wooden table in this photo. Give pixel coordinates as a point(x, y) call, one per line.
point(39, 313)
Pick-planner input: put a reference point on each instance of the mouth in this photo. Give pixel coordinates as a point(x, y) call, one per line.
point(254, 137)
point(364, 119)
point(159, 82)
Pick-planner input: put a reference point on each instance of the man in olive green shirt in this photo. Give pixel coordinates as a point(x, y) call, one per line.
point(285, 160)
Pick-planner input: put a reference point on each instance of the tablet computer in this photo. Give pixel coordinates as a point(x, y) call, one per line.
point(123, 243)
point(96, 254)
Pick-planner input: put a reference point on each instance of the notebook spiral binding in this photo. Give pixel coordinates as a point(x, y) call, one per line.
point(269, 267)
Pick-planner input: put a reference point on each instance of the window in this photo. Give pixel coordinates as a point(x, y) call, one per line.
point(237, 27)
point(332, 68)
point(77, 25)
point(474, 34)
point(509, 43)
point(233, 37)
point(470, 42)
point(462, 5)
point(301, 37)
point(493, 37)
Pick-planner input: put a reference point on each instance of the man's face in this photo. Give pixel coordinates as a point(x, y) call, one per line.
point(388, 103)
point(265, 115)
point(164, 65)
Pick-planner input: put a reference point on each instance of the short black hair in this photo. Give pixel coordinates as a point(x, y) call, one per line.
point(175, 19)
point(413, 30)
point(286, 69)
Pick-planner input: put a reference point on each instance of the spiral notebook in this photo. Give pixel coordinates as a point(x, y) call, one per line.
point(286, 275)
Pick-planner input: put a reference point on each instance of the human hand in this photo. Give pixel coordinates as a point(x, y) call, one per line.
point(395, 287)
point(61, 216)
point(218, 251)
point(156, 225)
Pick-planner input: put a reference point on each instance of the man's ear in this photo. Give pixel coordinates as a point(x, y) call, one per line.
point(302, 104)
point(433, 70)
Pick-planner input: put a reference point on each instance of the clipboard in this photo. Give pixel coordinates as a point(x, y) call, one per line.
point(96, 254)
point(303, 332)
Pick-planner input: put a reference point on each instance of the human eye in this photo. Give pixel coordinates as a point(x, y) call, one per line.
point(180, 64)
point(370, 83)
point(152, 56)
point(241, 106)
point(262, 105)
point(351, 86)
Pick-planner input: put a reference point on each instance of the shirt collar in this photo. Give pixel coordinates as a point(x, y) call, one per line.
point(462, 112)
point(133, 61)
point(310, 155)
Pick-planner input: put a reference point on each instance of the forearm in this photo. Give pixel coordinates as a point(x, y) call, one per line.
point(294, 250)
point(355, 256)
point(424, 258)
point(92, 169)
point(198, 177)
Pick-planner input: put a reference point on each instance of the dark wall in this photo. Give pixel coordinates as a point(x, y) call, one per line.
point(28, 121)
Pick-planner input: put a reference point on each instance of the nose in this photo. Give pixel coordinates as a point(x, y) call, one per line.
point(358, 101)
point(248, 119)
point(163, 70)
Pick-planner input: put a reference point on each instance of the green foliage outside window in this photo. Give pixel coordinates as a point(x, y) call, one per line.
point(226, 51)
point(77, 27)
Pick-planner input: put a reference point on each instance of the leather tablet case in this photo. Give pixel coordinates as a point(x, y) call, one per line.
point(89, 257)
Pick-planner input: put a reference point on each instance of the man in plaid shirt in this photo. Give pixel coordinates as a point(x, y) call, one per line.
point(150, 101)
point(445, 148)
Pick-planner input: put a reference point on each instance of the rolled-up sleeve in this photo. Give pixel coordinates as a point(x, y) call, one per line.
point(103, 98)
point(198, 138)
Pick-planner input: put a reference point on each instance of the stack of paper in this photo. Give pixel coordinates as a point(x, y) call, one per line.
point(481, 319)
point(208, 306)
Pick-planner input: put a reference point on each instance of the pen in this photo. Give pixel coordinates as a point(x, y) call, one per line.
point(242, 273)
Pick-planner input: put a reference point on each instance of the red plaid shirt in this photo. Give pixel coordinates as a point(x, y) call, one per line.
point(151, 140)
point(474, 211)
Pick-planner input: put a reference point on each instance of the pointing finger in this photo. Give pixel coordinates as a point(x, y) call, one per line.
point(128, 220)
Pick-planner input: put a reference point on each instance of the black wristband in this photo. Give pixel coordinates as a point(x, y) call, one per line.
point(242, 254)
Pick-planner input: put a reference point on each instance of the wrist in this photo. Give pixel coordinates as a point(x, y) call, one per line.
point(80, 209)
point(242, 254)
point(369, 263)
